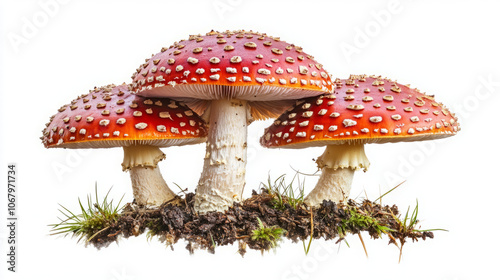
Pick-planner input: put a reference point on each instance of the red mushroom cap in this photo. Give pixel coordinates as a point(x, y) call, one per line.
point(111, 116)
point(362, 110)
point(261, 66)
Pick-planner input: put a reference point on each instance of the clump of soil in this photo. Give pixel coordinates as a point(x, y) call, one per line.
point(330, 221)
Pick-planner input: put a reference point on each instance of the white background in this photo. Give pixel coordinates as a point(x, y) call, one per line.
point(54, 52)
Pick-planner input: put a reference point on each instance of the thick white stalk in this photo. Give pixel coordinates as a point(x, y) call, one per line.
point(223, 177)
point(148, 185)
point(333, 184)
point(337, 165)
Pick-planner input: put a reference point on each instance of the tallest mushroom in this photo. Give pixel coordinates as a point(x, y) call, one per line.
point(233, 78)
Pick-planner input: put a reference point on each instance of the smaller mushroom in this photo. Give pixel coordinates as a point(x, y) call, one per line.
point(111, 116)
point(362, 110)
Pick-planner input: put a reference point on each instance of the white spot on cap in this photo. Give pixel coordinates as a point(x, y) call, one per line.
point(161, 128)
point(396, 117)
point(365, 130)
point(214, 60)
point(104, 122)
point(200, 71)
point(172, 105)
point(282, 81)
point(192, 60)
point(332, 128)
point(174, 130)
point(215, 77)
point(236, 59)
point(397, 130)
point(116, 133)
point(414, 119)
point(322, 112)
point(279, 70)
point(260, 80)
point(384, 130)
point(303, 70)
point(245, 70)
point(231, 70)
point(304, 123)
point(318, 127)
point(349, 122)
point(105, 134)
point(307, 114)
point(121, 121)
point(301, 134)
point(334, 114)
point(141, 125)
point(247, 79)
point(358, 116)
point(90, 119)
point(293, 80)
point(411, 131)
point(292, 115)
point(264, 71)
point(375, 119)
point(72, 130)
point(285, 135)
point(214, 70)
point(179, 68)
point(231, 79)
point(83, 131)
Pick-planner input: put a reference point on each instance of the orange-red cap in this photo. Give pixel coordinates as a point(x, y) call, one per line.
point(111, 116)
point(362, 110)
point(249, 65)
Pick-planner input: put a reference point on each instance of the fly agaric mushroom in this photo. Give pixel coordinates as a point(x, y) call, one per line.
point(111, 116)
point(237, 77)
point(362, 110)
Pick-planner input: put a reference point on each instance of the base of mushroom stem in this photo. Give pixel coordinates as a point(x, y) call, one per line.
point(334, 185)
point(149, 187)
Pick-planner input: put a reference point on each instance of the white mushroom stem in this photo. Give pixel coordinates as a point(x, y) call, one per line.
point(223, 177)
point(337, 165)
point(148, 185)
